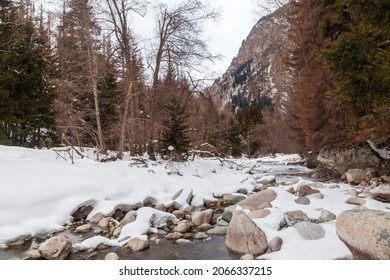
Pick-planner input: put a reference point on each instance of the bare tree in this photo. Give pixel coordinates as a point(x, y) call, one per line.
point(179, 36)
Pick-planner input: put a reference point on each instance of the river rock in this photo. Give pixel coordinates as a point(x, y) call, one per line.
point(353, 176)
point(381, 193)
point(310, 231)
point(303, 200)
point(316, 185)
point(218, 231)
point(340, 160)
point(111, 257)
point(182, 227)
point(253, 201)
point(366, 233)
point(222, 222)
point(183, 241)
point(265, 180)
point(84, 228)
point(205, 227)
point(293, 217)
point(228, 213)
point(19, 241)
point(244, 236)
point(327, 216)
point(242, 191)
point(275, 244)
point(306, 190)
point(236, 199)
point(316, 195)
point(263, 206)
point(174, 235)
point(161, 207)
point(247, 257)
point(130, 217)
point(385, 178)
point(136, 245)
point(55, 248)
point(355, 201)
point(205, 216)
point(32, 254)
point(81, 212)
point(180, 214)
point(104, 223)
point(258, 214)
point(201, 235)
point(96, 218)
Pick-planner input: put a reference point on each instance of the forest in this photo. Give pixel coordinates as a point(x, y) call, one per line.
point(77, 78)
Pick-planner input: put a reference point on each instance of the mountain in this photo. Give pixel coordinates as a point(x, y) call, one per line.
point(258, 76)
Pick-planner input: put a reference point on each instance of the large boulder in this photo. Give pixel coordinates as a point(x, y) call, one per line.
point(257, 199)
point(366, 233)
point(340, 160)
point(381, 193)
point(55, 248)
point(244, 236)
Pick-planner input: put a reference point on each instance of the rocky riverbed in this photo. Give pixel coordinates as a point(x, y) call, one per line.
point(277, 211)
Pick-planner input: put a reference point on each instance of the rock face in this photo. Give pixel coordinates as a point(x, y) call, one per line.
point(257, 199)
point(55, 248)
point(366, 233)
point(244, 237)
point(340, 161)
point(382, 193)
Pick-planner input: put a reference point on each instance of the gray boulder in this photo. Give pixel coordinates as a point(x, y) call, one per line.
point(244, 236)
point(366, 233)
point(310, 231)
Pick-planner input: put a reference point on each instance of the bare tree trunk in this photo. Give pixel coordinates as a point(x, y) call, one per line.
point(98, 120)
point(124, 121)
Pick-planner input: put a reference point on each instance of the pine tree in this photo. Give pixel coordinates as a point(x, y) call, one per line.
point(27, 116)
point(234, 139)
point(176, 134)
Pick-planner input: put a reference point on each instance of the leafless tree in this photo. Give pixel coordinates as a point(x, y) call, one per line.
point(179, 36)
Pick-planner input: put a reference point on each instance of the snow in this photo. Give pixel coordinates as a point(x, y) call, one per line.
point(39, 191)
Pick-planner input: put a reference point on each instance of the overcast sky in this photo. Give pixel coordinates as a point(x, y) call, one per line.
point(224, 36)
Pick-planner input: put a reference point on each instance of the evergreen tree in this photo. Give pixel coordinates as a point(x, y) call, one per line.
point(27, 116)
point(176, 133)
point(234, 139)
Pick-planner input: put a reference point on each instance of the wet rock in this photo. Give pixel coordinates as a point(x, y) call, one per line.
point(55, 248)
point(182, 227)
point(180, 214)
point(84, 228)
point(102, 246)
point(253, 201)
point(205, 227)
point(293, 217)
point(306, 190)
point(111, 257)
point(218, 231)
point(183, 241)
point(353, 176)
point(205, 216)
point(244, 236)
point(32, 255)
point(355, 201)
point(201, 235)
point(136, 245)
point(327, 216)
point(275, 244)
point(381, 193)
point(247, 257)
point(366, 233)
point(19, 241)
point(310, 231)
point(174, 235)
point(258, 214)
point(303, 200)
point(82, 212)
point(96, 218)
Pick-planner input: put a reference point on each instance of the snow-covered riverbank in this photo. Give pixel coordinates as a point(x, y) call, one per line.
point(39, 191)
